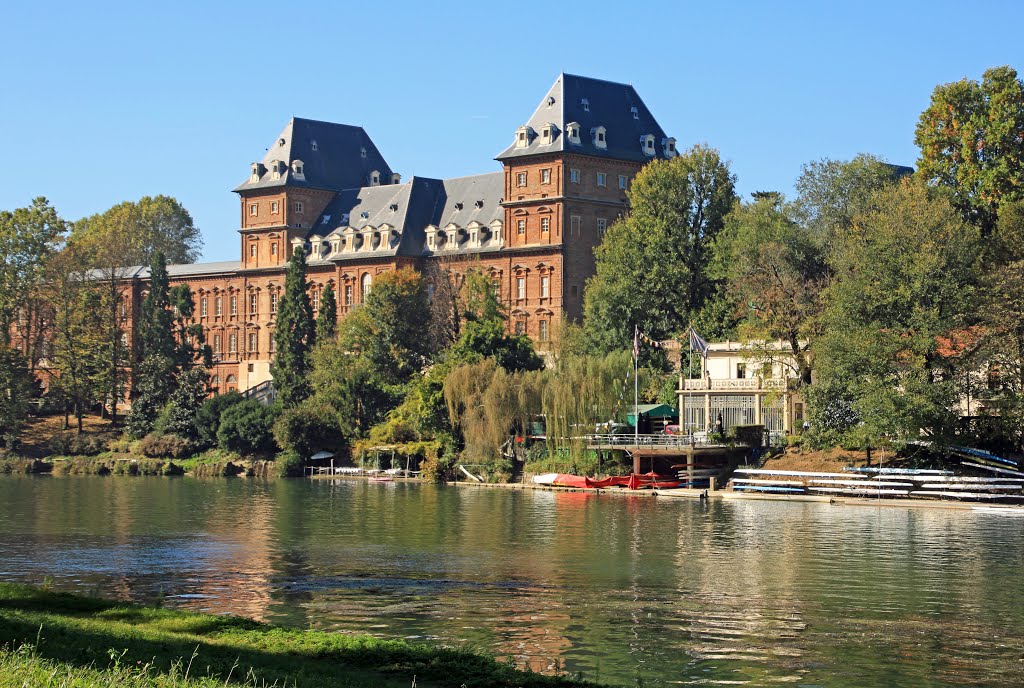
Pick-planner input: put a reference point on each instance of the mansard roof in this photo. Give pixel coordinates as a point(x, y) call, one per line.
point(471, 199)
point(332, 157)
point(592, 103)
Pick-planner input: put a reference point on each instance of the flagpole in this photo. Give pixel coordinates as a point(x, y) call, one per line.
point(636, 385)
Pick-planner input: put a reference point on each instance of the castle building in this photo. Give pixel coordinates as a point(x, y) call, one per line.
point(532, 226)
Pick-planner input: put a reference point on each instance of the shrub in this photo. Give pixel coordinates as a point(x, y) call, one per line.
point(73, 444)
point(289, 464)
point(247, 428)
point(166, 446)
point(308, 428)
point(209, 414)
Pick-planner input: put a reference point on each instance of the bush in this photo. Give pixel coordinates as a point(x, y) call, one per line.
point(166, 446)
point(289, 464)
point(209, 414)
point(308, 428)
point(247, 428)
point(74, 444)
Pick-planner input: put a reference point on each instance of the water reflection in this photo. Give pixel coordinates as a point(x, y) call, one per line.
point(616, 588)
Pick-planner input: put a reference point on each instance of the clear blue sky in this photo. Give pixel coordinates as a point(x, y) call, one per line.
point(103, 102)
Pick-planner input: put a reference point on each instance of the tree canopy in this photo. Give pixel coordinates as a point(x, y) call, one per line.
point(135, 231)
point(293, 335)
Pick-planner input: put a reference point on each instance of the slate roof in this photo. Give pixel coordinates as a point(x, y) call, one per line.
point(608, 104)
point(336, 163)
point(479, 197)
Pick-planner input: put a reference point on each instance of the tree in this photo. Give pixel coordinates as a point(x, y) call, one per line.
point(247, 428)
point(778, 268)
point(652, 264)
point(77, 331)
point(293, 335)
point(327, 318)
point(180, 415)
point(209, 414)
point(904, 281)
point(16, 387)
point(971, 138)
point(27, 237)
point(388, 331)
point(144, 228)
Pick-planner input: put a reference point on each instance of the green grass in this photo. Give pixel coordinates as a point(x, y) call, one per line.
point(61, 640)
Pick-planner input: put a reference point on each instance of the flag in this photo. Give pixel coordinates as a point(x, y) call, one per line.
point(636, 342)
point(698, 343)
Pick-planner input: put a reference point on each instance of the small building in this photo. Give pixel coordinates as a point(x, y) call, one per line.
point(745, 386)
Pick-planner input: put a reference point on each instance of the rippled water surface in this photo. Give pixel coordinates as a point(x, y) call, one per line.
point(624, 590)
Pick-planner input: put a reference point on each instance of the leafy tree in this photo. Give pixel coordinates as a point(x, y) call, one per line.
point(830, 193)
point(209, 414)
point(904, 280)
point(652, 265)
point(388, 331)
point(180, 415)
point(27, 237)
point(308, 428)
point(971, 138)
point(16, 388)
point(293, 335)
point(77, 331)
point(142, 229)
point(327, 318)
point(247, 428)
point(777, 267)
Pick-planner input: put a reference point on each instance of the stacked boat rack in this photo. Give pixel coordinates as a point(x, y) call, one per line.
point(1003, 484)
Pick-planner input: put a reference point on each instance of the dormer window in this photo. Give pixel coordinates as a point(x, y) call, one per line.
point(668, 147)
point(458, 206)
point(478, 204)
point(524, 135)
point(280, 142)
point(375, 178)
point(297, 168)
point(275, 169)
point(633, 111)
point(585, 104)
point(364, 215)
point(257, 171)
point(547, 134)
point(312, 144)
point(647, 144)
point(362, 152)
point(572, 129)
point(551, 101)
point(393, 207)
point(599, 137)
point(396, 178)
point(344, 218)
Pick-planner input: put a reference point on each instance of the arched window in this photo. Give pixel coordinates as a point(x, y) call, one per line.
point(364, 286)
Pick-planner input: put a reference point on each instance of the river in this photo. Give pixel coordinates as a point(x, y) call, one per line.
point(623, 590)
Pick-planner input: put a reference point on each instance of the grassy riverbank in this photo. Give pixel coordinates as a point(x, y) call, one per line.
point(56, 639)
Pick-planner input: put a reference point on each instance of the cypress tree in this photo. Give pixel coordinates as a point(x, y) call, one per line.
point(157, 348)
point(327, 318)
point(293, 335)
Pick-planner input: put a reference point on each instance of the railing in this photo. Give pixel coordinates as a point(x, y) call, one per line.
point(667, 441)
point(263, 392)
point(741, 384)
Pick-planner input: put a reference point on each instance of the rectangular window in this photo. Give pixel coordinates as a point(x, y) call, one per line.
point(574, 176)
point(232, 343)
point(273, 302)
point(542, 330)
point(602, 225)
point(273, 346)
point(520, 287)
point(234, 305)
point(602, 179)
point(273, 249)
point(202, 308)
point(574, 291)
point(216, 343)
point(298, 206)
point(545, 176)
point(622, 181)
point(314, 300)
point(253, 209)
point(521, 227)
point(253, 302)
point(545, 224)
point(273, 207)
point(741, 371)
point(253, 340)
point(545, 286)
point(348, 294)
point(124, 310)
point(218, 306)
point(520, 327)
point(521, 179)
point(574, 225)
